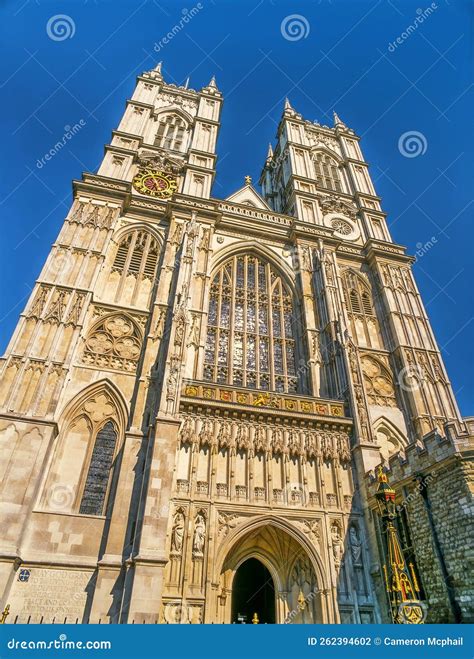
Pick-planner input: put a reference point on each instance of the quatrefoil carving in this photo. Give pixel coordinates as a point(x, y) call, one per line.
point(114, 343)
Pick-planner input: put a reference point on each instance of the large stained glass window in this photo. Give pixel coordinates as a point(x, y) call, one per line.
point(250, 337)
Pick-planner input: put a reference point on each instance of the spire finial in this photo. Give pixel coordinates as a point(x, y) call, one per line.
point(287, 104)
point(248, 180)
point(158, 67)
point(338, 121)
point(270, 151)
point(212, 82)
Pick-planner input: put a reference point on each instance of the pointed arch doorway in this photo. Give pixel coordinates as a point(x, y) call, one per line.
point(253, 592)
point(282, 558)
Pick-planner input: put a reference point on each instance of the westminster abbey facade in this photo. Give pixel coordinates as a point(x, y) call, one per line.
point(199, 391)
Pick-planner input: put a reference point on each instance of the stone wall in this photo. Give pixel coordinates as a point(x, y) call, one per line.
point(434, 482)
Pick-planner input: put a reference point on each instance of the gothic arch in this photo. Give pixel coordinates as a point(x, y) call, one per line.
point(114, 341)
point(279, 546)
point(327, 151)
point(243, 530)
point(359, 278)
point(264, 559)
point(138, 226)
point(91, 431)
point(129, 274)
point(258, 249)
point(105, 387)
point(252, 339)
point(172, 128)
point(389, 437)
point(174, 109)
point(360, 307)
point(328, 169)
point(378, 380)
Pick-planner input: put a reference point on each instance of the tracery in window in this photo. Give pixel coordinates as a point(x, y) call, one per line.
point(327, 171)
point(250, 337)
point(389, 439)
point(80, 476)
point(171, 133)
point(115, 342)
point(362, 316)
point(378, 381)
point(98, 475)
point(135, 262)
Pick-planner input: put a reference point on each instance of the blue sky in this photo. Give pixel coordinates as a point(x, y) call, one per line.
point(341, 60)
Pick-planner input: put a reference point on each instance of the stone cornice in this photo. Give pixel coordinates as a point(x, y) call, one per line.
point(104, 186)
point(228, 215)
point(351, 251)
point(140, 104)
point(115, 148)
point(33, 421)
point(249, 220)
point(209, 206)
point(314, 231)
point(232, 401)
point(376, 249)
point(147, 207)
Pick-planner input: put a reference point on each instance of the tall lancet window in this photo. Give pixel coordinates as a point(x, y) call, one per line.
point(327, 172)
point(360, 309)
point(250, 336)
point(171, 133)
point(98, 475)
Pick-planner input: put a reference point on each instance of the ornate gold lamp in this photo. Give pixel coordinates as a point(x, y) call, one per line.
point(400, 580)
point(4, 615)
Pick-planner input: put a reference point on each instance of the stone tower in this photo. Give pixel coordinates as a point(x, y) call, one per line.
point(198, 390)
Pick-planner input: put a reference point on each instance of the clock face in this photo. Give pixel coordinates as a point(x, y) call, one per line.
point(155, 183)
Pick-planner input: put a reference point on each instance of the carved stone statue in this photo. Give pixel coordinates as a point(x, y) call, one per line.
point(177, 234)
point(172, 383)
point(180, 327)
point(205, 240)
point(177, 533)
point(194, 332)
point(337, 546)
point(199, 535)
point(356, 547)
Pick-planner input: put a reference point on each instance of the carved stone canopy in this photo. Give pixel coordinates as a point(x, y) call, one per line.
point(333, 204)
point(162, 161)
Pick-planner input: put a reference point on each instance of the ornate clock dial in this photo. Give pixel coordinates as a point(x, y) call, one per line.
point(155, 183)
